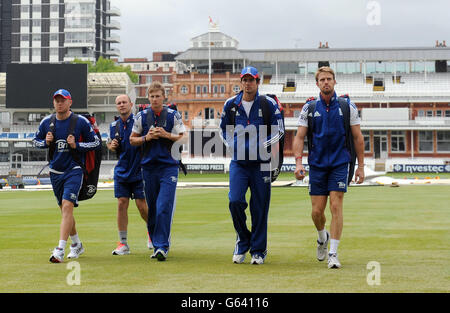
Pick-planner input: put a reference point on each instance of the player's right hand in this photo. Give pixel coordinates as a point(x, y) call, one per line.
point(114, 144)
point(49, 138)
point(299, 172)
point(153, 133)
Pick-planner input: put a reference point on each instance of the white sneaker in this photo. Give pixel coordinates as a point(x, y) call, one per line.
point(238, 258)
point(121, 249)
point(257, 259)
point(57, 255)
point(333, 261)
point(322, 248)
point(75, 251)
point(160, 255)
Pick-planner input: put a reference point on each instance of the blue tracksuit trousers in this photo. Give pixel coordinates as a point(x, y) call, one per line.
point(160, 183)
point(242, 176)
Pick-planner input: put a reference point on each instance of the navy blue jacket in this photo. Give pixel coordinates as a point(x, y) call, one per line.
point(328, 146)
point(62, 160)
point(246, 141)
point(158, 152)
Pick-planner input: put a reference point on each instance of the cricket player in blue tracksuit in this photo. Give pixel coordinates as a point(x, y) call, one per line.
point(157, 128)
point(128, 181)
point(65, 173)
point(328, 161)
point(249, 140)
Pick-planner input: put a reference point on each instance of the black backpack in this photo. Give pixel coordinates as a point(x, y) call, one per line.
point(93, 158)
point(349, 143)
point(267, 117)
point(161, 123)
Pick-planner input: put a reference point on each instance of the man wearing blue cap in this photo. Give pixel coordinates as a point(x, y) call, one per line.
point(249, 138)
point(66, 175)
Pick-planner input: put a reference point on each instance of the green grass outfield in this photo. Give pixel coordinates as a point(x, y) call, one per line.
point(405, 230)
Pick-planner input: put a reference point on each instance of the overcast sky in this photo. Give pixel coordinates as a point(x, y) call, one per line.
point(167, 25)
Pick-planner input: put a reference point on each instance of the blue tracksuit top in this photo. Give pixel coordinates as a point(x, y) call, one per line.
point(62, 160)
point(247, 143)
point(128, 168)
point(158, 152)
point(328, 148)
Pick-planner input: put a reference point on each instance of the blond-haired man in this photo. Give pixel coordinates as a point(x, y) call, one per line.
point(328, 159)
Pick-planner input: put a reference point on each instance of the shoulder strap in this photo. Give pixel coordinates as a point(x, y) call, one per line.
point(266, 110)
point(162, 117)
point(73, 152)
point(311, 110)
point(232, 113)
point(72, 124)
point(117, 130)
point(150, 119)
point(52, 147)
point(345, 108)
point(52, 123)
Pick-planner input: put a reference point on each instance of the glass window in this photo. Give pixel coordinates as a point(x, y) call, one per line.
point(24, 52)
point(370, 67)
point(447, 113)
point(24, 37)
point(36, 52)
point(443, 141)
point(236, 88)
point(402, 67)
point(429, 113)
point(25, 23)
point(425, 141)
point(36, 37)
point(186, 115)
point(25, 8)
point(421, 113)
point(222, 89)
point(430, 66)
point(398, 139)
point(313, 67)
point(36, 8)
point(366, 135)
point(198, 89)
point(53, 37)
point(54, 7)
point(205, 89)
point(438, 113)
point(36, 23)
point(341, 68)
point(184, 89)
point(54, 23)
point(215, 89)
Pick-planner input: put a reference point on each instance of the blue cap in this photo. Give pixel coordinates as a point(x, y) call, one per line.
point(64, 93)
point(249, 70)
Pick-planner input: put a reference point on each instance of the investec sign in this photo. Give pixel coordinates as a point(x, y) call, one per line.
point(421, 168)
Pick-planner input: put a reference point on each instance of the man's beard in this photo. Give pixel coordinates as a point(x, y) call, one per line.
point(327, 92)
